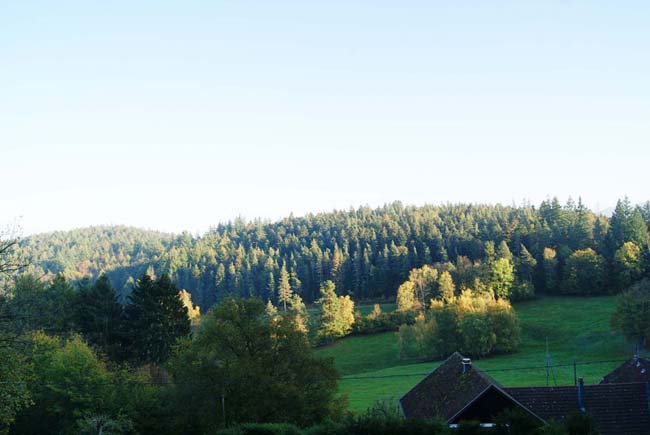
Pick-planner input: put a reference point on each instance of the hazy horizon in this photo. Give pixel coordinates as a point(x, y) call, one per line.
point(15, 224)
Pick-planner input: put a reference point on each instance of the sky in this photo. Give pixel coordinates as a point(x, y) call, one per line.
point(179, 115)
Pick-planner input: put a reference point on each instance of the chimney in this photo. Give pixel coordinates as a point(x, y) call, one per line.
point(467, 364)
point(581, 391)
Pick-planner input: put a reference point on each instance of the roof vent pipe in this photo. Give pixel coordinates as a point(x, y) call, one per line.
point(581, 388)
point(467, 363)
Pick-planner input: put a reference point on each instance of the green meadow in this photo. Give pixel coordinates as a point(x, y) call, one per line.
point(574, 328)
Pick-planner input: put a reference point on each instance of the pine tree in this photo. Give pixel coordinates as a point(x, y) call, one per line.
point(550, 269)
point(526, 264)
point(98, 316)
point(284, 288)
point(271, 311)
point(490, 253)
point(156, 317)
point(504, 251)
point(299, 312)
point(60, 298)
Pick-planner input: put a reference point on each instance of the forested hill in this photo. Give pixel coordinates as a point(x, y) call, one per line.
point(366, 252)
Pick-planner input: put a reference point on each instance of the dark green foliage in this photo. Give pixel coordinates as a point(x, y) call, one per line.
point(73, 392)
point(627, 225)
point(474, 324)
point(382, 323)
point(336, 313)
point(262, 429)
point(632, 315)
point(155, 319)
point(580, 423)
point(584, 273)
point(14, 371)
point(367, 253)
point(362, 425)
point(628, 265)
point(98, 316)
point(70, 384)
point(36, 305)
point(264, 369)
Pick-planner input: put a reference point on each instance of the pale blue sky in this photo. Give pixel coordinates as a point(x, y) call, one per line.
point(178, 115)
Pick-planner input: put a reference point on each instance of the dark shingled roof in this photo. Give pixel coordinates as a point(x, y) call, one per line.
point(634, 370)
point(445, 391)
point(616, 408)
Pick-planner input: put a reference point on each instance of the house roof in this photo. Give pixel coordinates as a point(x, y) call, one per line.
point(634, 370)
point(446, 390)
point(616, 408)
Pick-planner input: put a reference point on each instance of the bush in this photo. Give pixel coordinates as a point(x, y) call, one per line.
point(632, 315)
point(522, 291)
point(384, 322)
point(474, 324)
point(579, 423)
point(262, 429)
point(584, 273)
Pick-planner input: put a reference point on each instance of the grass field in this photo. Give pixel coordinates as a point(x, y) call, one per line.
point(576, 328)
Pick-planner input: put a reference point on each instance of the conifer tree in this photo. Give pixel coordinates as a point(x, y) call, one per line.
point(60, 297)
point(98, 316)
point(298, 311)
point(490, 253)
point(155, 317)
point(526, 264)
point(550, 269)
point(504, 251)
point(284, 288)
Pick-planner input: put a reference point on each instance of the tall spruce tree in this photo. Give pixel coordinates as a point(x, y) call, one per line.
point(156, 318)
point(98, 316)
point(284, 288)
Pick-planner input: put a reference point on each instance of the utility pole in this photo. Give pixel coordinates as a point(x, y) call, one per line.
point(548, 362)
point(223, 406)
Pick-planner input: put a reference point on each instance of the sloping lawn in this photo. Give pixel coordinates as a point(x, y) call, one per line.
point(576, 328)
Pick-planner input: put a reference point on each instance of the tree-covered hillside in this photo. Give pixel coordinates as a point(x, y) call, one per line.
point(366, 252)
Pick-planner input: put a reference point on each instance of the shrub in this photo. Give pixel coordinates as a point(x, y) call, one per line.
point(262, 429)
point(383, 322)
point(632, 315)
point(475, 324)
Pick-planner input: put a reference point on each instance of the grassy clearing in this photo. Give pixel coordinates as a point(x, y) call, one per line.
point(575, 328)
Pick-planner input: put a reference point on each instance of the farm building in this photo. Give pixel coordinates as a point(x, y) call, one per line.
point(458, 391)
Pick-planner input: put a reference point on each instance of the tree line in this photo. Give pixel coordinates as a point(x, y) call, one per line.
point(367, 253)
